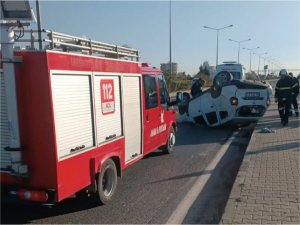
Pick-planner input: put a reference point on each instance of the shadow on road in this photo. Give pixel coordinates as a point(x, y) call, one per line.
point(192, 134)
point(17, 214)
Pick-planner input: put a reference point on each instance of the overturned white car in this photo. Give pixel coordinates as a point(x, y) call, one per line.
point(228, 100)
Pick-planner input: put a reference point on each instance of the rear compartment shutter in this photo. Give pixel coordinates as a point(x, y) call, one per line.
point(4, 128)
point(73, 115)
point(132, 117)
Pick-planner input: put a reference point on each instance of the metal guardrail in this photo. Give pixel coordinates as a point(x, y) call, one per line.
point(67, 43)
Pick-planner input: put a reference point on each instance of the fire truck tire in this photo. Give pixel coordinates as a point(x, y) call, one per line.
point(107, 181)
point(169, 146)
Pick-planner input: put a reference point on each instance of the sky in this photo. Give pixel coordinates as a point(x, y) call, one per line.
point(144, 25)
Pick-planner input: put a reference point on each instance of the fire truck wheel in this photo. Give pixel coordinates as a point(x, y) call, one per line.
point(169, 146)
point(107, 181)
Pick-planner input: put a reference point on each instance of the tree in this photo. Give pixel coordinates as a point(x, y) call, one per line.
point(205, 68)
point(189, 77)
point(201, 70)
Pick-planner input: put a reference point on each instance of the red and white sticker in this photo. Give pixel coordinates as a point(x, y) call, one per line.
point(107, 96)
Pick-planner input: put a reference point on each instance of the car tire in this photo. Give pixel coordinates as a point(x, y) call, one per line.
point(221, 78)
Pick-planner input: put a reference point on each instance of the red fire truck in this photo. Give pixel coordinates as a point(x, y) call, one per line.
point(86, 111)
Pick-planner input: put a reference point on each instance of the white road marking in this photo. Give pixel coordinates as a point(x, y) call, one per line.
point(181, 211)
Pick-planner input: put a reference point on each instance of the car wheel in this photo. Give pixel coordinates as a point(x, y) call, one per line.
point(221, 78)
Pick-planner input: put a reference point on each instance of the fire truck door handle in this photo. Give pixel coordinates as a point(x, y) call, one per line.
point(110, 137)
point(147, 117)
point(134, 155)
point(77, 148)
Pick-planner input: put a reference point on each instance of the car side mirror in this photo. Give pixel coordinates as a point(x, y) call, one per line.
point(171, 101)
point(179, 97)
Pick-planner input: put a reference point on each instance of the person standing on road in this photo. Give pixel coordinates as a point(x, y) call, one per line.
point(283, 95)
point(294, 97)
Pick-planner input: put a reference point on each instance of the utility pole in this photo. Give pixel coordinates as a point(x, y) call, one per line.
point(239, 44)
point(217, 29)
point(170, 29)
point(250, 50)
point(39, 24)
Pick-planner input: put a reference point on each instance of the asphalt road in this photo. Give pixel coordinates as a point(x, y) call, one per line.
point(149, 191)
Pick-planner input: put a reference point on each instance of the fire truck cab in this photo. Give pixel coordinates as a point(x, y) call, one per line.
point(86, 111)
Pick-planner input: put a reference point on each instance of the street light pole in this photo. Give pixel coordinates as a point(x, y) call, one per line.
point(250, 50)
point(170, 29)
point(259, 55)
point(217, 29)
point(38, 12)
point(270, 67)
point(265, 70)
point(239, 43)
point(217, 57)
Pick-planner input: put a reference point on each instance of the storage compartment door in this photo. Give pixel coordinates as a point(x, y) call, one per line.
point(72, 103)
point(108, 107)
point(4, 127)
point(132, 117)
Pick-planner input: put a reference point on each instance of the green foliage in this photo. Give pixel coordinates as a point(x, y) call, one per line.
point(175, 84)
point(178, 84)
point(206, 77)
point(253, 76)
point(205, 68)
point(183, 83)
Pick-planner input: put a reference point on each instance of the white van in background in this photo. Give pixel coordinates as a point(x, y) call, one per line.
point(236, 69)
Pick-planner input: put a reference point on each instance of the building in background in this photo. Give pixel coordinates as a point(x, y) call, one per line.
point(165, 67)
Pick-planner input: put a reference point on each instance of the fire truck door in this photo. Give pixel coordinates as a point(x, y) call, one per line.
point(152, 114)
point(108, 107)
point(165, 114)
point(132, 117)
